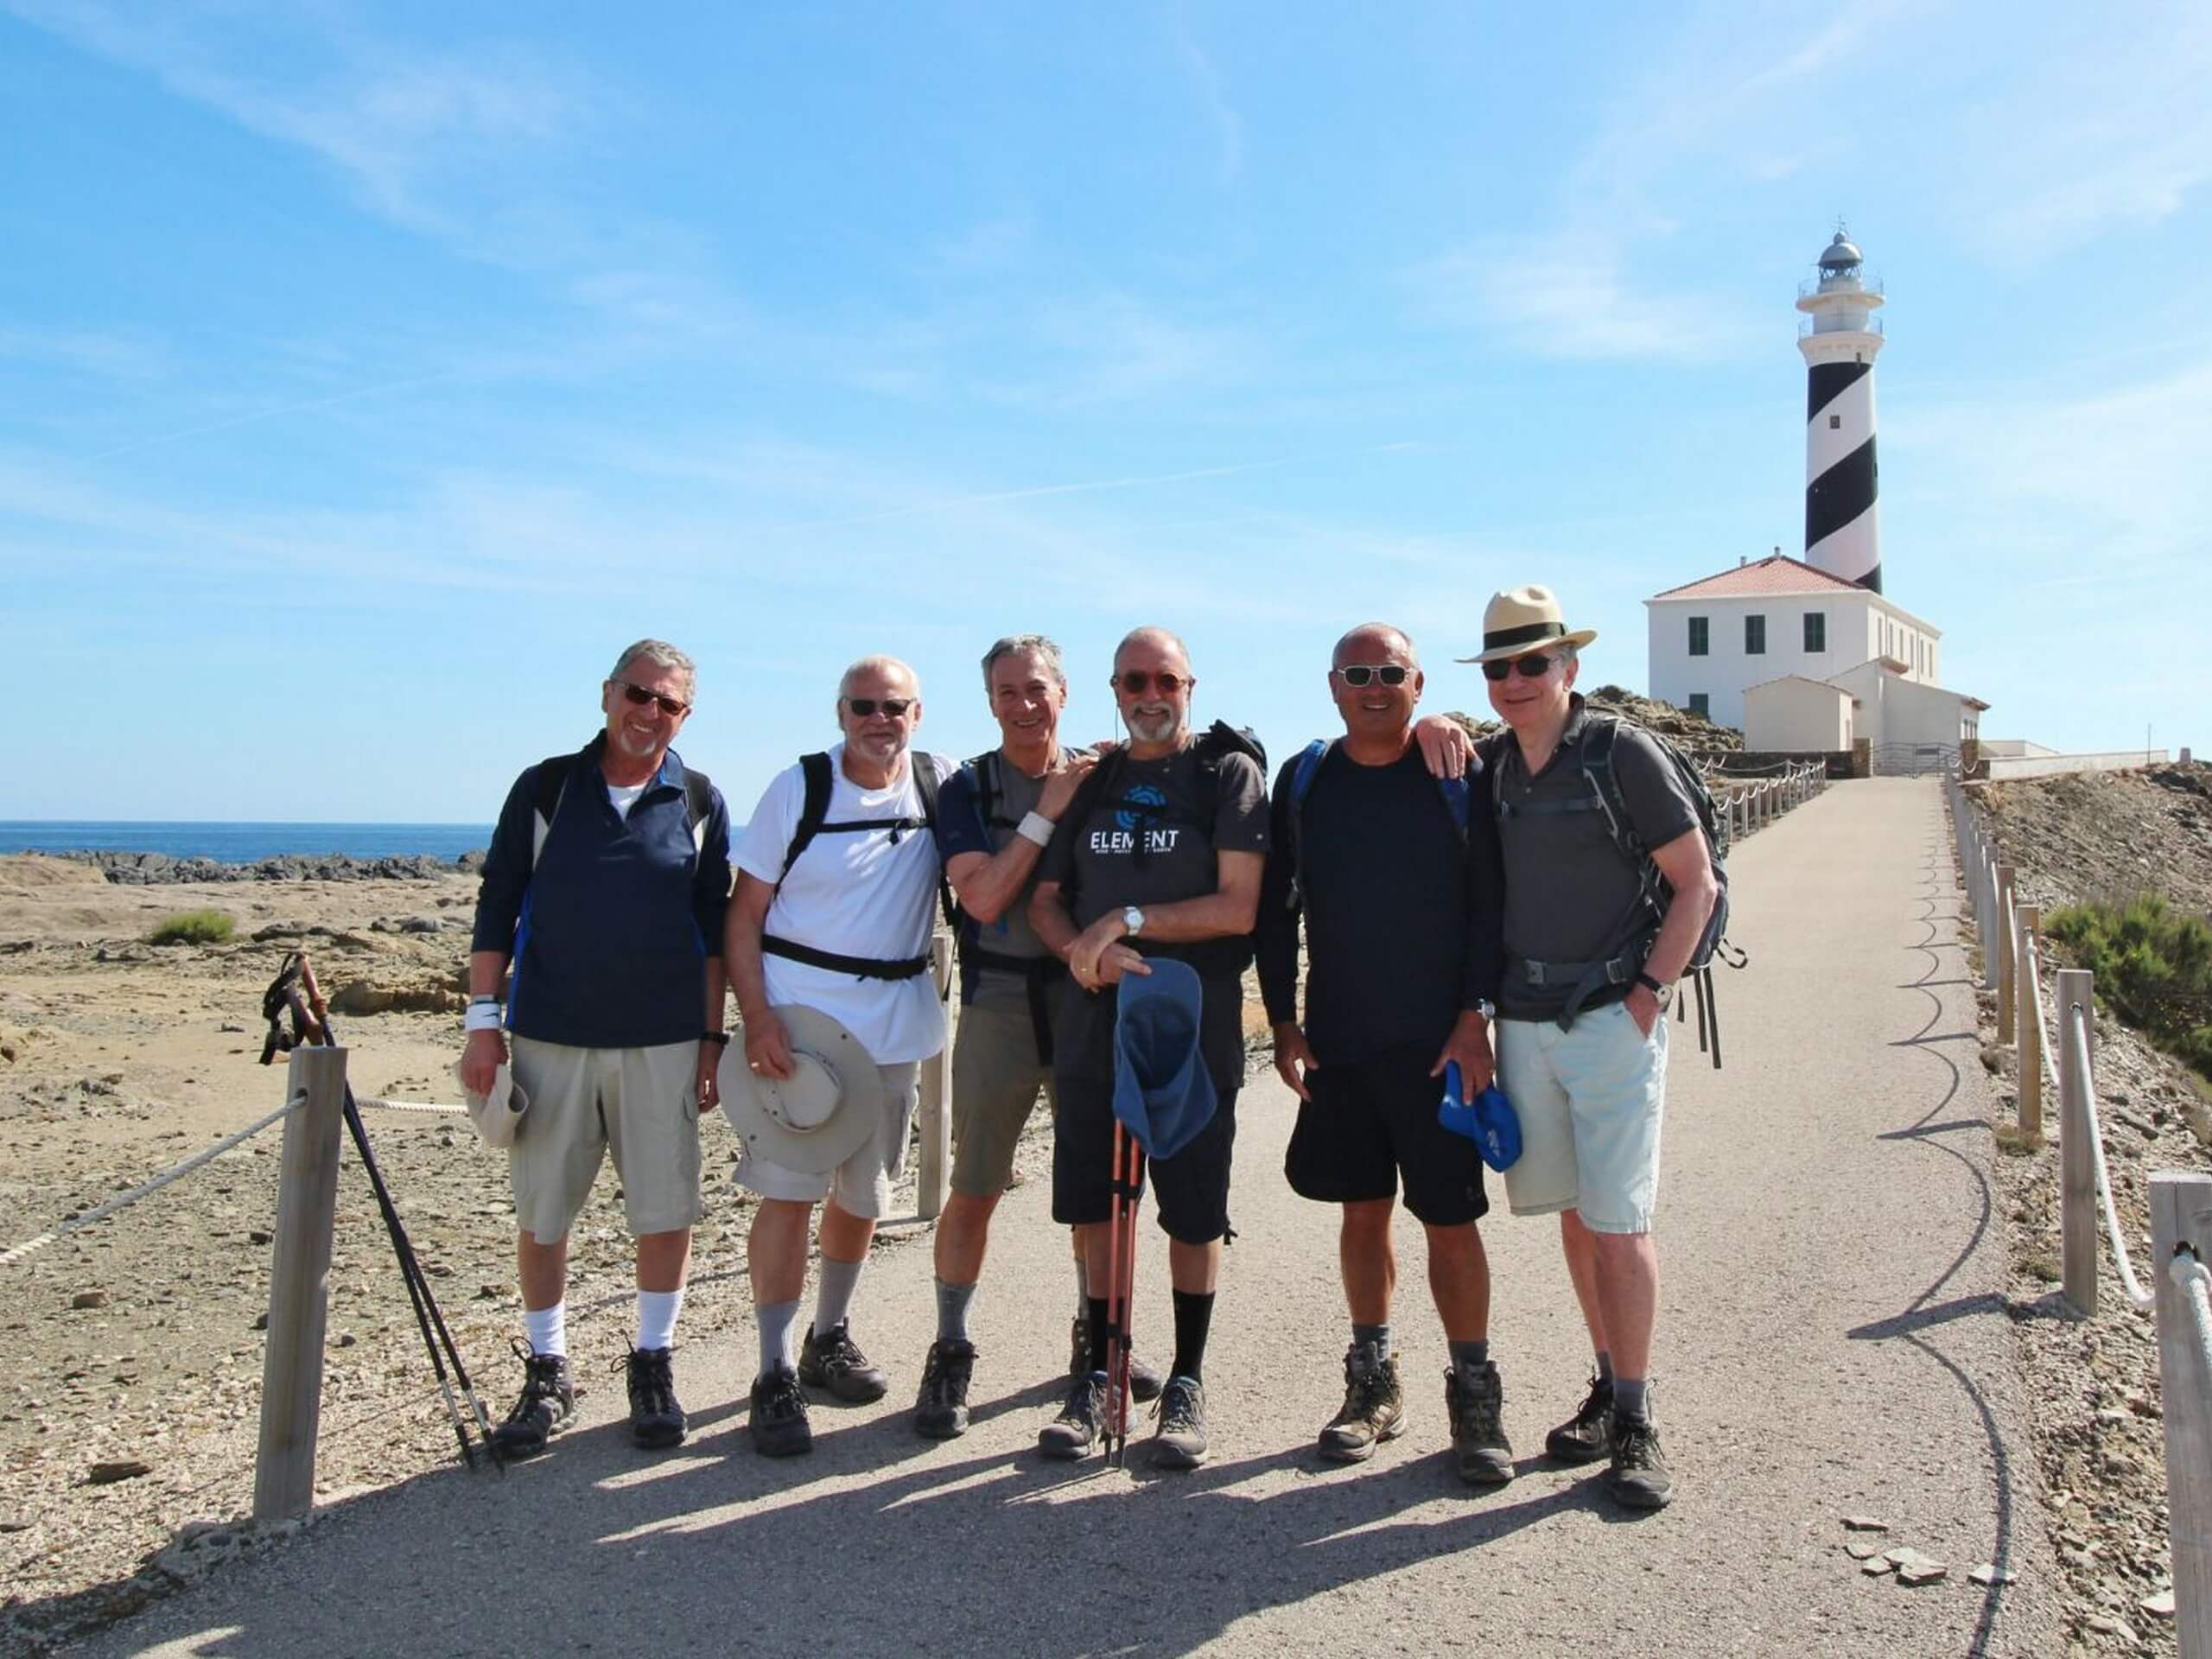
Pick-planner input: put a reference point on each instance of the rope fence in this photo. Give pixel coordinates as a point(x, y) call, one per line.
point(1748, 806)
point(2008, 936)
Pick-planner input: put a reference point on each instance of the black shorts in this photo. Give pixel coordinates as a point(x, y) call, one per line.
point(1193, 1186)
point(1371, 1122)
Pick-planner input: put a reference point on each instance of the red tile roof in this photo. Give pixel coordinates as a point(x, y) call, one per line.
point(1775, 574)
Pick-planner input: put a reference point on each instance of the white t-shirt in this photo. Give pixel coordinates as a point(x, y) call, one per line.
point(626, 796)
point(856, 893)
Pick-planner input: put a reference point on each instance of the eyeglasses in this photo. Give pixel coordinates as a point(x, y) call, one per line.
point(894, 708)
point(1532, 668)
point(1136, 680)
point(1358, 674)
point(638, 695)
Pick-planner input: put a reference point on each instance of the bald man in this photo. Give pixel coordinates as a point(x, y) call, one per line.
point(838, 920)
point(1397, 880)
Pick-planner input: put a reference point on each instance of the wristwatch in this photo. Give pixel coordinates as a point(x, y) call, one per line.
point(1132, 921)
point(1662, 994)
point(721, 1037)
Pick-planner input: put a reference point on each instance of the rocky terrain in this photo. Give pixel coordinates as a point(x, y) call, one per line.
point(1693, 733)
point(2100, 1444)
point(159, 870)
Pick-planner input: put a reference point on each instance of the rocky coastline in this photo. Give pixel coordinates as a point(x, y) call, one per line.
point(159, 870)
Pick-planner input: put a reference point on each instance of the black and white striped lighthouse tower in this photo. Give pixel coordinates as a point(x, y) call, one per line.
point(1843, 529)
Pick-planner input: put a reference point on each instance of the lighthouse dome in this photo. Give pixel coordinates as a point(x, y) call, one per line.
point(1841, 255)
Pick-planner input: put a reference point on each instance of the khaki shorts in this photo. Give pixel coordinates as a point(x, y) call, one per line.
point(861, 1185)
point(996, 1077)
point(639, 1103)
point(1591, 1099)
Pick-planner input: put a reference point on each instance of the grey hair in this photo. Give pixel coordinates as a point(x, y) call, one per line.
point(878, 665)
point(1157, 636)
point(1033, 644)
point(1568, 652)
point(660, 654)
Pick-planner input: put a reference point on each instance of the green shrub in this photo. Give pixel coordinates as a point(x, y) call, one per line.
point(192, 927)
point(2153, 966)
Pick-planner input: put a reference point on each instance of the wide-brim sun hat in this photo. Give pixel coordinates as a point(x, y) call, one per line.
point(1163, 1093)
point(497, 1116)
point(1523, 619)
point(824, 1113)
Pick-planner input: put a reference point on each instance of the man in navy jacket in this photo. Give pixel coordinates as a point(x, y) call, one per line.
point(604, 886)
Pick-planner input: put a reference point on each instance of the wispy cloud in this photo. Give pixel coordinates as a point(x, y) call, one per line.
point(1205, 81)
point(115, 356)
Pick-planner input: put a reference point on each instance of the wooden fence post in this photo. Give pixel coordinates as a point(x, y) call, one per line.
point(2006, 952)
point(2027, 975)
point(935, 1171)
point(299, 1286)
point(2077, 1176)
point(2179, 1206)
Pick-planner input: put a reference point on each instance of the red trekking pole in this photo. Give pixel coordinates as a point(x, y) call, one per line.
point(1128, 1187)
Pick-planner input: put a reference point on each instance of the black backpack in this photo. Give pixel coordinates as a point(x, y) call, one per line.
point(817, 771)
point(552, 784)
point(1212, 746)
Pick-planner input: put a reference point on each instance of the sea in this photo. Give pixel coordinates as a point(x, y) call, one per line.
point(242, 844)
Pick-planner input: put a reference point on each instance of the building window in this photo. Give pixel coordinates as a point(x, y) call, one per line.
point(1701, 636)
point(1755, 636)
point(1700, 705)
point(1816, 630)
point(1835, 422)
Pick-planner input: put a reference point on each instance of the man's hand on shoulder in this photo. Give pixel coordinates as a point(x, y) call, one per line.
point(1446, 747)
point(1063, 779)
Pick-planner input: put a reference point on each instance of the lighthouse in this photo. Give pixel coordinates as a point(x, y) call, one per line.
point(1840, 339)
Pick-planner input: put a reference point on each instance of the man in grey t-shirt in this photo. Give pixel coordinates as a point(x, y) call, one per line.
point(1581, 1032)
point(995, 816)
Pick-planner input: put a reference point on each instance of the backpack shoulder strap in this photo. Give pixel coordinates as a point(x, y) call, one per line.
point(551, 784)
point(1459, 803)
point(1302, 773)
point(698, 805)
point(814, 811)
point(926, 784)
point(1606, 786)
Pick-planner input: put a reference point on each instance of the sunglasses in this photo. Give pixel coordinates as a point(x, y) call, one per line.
point(1358, 674)
point(1136, 680)
point(894, 708)
point(1532, 668)
point(638, 695)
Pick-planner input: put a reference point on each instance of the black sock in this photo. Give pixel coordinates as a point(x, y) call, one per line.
point(1193, 1318)
point(1097, 1317)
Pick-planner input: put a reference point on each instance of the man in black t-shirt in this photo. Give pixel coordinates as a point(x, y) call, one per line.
point(1396, 876)
point(1160, 854)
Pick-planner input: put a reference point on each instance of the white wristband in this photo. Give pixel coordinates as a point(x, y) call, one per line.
point(482, 1016)
point(1036, 827)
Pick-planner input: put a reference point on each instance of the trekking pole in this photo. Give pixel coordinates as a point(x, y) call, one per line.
point(1120, 1328)
point(1117, 1414)
point(437, 1338)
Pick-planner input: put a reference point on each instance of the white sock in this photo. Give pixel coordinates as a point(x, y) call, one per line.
point(546, 1329)
point(657, 1312)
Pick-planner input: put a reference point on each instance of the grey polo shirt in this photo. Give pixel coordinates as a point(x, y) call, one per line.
point(1570, 894)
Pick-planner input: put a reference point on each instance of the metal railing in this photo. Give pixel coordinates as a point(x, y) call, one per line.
point(2009, 933)
point(1746, 806)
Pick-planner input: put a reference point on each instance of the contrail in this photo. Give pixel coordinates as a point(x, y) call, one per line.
point(955, 503)
point(271, 414)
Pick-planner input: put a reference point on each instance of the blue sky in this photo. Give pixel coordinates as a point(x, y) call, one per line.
point(369, 375)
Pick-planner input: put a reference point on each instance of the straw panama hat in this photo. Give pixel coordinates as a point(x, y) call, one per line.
point(819, 1117)
point(1523, 619)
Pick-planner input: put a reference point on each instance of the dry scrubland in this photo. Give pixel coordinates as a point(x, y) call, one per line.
point(2102, 837)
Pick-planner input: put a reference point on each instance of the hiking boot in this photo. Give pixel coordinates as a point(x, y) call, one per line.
point(1179, 1442)
point(547, 1405)
point(1082, 1421)
point(1374, 1408)
point(1475, 1400)
point(1585, 1437)
point(780, 1425)
point(834, 1362)
point(655, 1419)
point(941, 1411)
point(1638, 1478)
point(1146, 1379)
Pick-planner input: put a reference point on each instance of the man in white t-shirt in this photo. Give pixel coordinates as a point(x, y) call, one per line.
point(836, 915)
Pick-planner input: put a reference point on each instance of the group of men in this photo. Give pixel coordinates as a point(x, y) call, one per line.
point(1460, 907)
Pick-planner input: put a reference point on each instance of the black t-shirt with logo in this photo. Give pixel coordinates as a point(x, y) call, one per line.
point(1148, 833)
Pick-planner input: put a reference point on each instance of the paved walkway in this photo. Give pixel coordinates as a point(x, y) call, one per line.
point(1833, 1341)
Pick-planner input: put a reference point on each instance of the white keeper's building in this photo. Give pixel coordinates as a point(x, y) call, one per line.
point(1805, 655)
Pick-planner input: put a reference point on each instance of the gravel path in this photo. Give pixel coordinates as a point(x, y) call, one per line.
point(1834, 1342)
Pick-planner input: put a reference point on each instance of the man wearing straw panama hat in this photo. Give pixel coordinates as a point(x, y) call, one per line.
point(1581, 1039)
